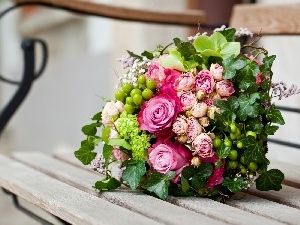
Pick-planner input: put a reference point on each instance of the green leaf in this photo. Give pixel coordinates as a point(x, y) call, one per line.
point(255, 151)
point(134, 55)
point(246, 109)
point(234, 184)
point(247, 83)
point(204, 42)
point(107, 184)
point(267, 64)
point(186, 49)
point(230, 48)
point(270, 180)
point(223, 151)
point(107, 150)
point(228, 108)
point(251, 68)
point(185, 186)
point(173, 60)
point(157, 183)
point(198, 181)
point(105, 134)
point(119, 142)
point(85, 155)
point(90, 129)
point(271, 129)
point(254, 124)
point(148, 55)
point(97, 116)
point(133, 173)
point(204, 170)
point(274, 115)
point(229, 34)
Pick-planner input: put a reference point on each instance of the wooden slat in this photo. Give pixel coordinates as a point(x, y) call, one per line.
point(135, 201)
point(62, 200)
point(263, 207)
point(201, 205)
point(267, 18)
point(187, 17)
point(287, 195)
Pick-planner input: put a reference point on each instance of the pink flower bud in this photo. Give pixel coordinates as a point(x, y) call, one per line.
point(217, 71)
point(199, 109)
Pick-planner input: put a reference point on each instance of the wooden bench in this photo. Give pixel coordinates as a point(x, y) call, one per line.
point(62, 186)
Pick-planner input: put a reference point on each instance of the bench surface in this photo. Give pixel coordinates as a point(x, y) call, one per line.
point(62, 186)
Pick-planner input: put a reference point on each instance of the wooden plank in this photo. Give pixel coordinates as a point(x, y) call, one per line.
point(287, 195)
point(266, 208)
point(187, 17)
point(135, 201)
point(62, 200)
point(291, 172)
point(267, 18)
point(200, 205)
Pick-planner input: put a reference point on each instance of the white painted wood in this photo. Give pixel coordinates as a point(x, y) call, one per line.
point(287, 195)
point(135, 201)
point(218, 210)
point(62, 200)
point(263, 207)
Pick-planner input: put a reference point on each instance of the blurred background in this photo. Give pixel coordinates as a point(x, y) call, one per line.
point(82, 68)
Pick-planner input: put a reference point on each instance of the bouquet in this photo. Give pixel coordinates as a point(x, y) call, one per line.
point(189, 119)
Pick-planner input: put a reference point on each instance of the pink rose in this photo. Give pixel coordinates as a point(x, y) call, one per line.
point(224, 88)
point(185, 82)
point(216, 71)
point(187, 99)
point(170, 156)
point(168, 84)
point(158, 114)
point(156, 72)
point(203, 145)
point(193, 130)
point(199, 109)
point(216, 177)
point(204, 81)
point(109, 112)
point(208, 101)
point(120, 155)
point(180, 125)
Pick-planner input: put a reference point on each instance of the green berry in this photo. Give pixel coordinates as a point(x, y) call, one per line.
point(232, 164)
point(233, 154)
point(127, 87)
point(217, 142)
point(129, 100)
point(137, 99)
point(135, 91)
point(252, 166)
point(129, 108)
point(147, 94)
point(251, 133)
point(233, 128)
point(233, 136)
point(141, 79)
point(151, 84)
point(227, 143)
point(120, 95)
point(243, 171)
point(239, 145)
point(242, 159)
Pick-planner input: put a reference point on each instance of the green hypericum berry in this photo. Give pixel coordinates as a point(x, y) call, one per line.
point(233, 128)
point(147, 94)
point(129, 100)
point(217, 142)
point(227, 143)
point(151, 84)
point(127, 87)
point(141, 79)
point(233, 154)
point(242, 159)
point(233, 164)
point(137, 99)
point(129, 108)
point(135, 91)
point(251, 133)
point(239, 145)
point(120, 95)
point(252, 166)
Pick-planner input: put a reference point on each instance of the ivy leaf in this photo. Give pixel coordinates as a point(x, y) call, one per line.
point(255, 125)
point(231, 65)
point(90, 129)
point(267, 64)
point(246, 109)
point(185, 186)
point(119, 142)
point(274, 115)
point(234, 184)
point(229, 34)
point(198, 181)
point(107, 184)
point(270, 129)
point(228, 108)
point(223, 151)
point(186, 49)
point(157, 183)
point(85, 155)
point(270, 180)
point(251, 68)
point(148, 55)
point(204, 170)
point(255, 151)
point(133, 173)
point(134, 55)
point(107, 150)
point(247, 83)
